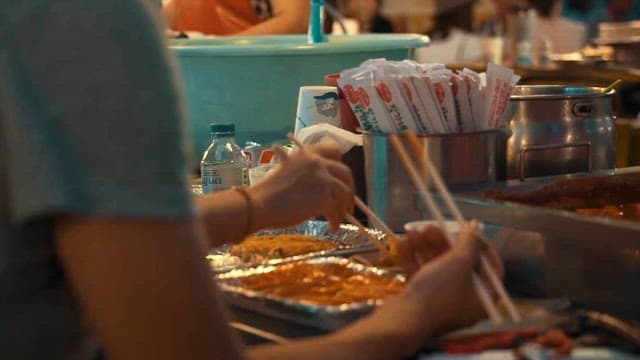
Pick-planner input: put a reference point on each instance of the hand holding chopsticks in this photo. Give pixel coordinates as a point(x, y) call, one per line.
point(422, 187)
point(380, 245)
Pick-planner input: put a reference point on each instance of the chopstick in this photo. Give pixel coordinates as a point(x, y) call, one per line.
point(379, 224)
point(482, 292)
point(352, 220)
point(426, 163)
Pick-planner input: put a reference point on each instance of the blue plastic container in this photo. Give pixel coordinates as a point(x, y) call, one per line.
point(253, 82)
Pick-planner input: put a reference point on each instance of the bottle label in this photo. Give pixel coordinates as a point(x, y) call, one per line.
point(223, 177)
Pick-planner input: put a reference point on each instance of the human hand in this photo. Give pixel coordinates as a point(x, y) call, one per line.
point(308, 182)
point(440, 285)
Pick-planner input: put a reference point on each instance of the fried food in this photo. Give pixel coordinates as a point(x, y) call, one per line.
point(256, 249)
point(624, 211)
point(617, 196)
point(323, 284)
point(554, 339)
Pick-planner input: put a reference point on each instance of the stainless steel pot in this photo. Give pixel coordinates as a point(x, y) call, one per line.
point(559, 129)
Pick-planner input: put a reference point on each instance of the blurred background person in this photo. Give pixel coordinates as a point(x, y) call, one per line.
point(562, 34)
point(452, 36)
point(237, 17)
point(368, 15)
point(592, 12)
point(529, 34)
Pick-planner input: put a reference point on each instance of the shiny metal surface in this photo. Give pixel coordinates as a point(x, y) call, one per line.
point(463, 160)
point(326, 317)
point(347, 238)
point(593, 261)
point(558, 129)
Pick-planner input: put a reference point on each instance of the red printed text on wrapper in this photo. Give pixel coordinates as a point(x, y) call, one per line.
point(385, 94)
point(439, 92)
point(359, 100)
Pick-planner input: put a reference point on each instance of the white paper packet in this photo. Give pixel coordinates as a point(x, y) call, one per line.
point(476, 98)
point(434, 116)
point(439, 83)
point(345, 140)
point(408, 71)
point(388, 88)
point(500, 83)
point(357, 87)
point(460, 90)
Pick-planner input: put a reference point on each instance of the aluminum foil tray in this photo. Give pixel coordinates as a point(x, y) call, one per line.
point(349, 240)
point(329, 317)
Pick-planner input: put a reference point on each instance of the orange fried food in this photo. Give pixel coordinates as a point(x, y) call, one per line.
point(265, 247)
point(624, 211)
point(323, 284)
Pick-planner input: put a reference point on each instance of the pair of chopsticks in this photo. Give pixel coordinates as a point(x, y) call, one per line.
point(425, 163)
point(382, 248)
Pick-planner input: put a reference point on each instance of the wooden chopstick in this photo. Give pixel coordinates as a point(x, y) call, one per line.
point(434, 175)
point(482, 292)
point(379, 224)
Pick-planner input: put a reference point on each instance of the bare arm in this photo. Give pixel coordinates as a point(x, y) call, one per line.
point(144, 288)
point(309, 183)
point(438, 297)
point(289, 17)
point(380, 336)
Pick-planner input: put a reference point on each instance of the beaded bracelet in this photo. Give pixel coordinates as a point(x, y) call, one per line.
point(249, 204)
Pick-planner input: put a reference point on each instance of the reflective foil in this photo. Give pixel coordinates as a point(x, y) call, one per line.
point(329, 317)
point(349, 240)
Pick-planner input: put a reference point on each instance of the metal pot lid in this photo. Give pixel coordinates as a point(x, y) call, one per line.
point(558, 92)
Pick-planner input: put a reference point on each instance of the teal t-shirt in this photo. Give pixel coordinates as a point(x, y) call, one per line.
point(89, 124)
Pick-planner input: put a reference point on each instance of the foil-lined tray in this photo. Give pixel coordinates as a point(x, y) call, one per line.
point(350, 241)
point(325, 317)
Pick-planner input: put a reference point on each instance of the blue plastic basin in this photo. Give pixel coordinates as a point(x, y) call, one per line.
point(253, 82)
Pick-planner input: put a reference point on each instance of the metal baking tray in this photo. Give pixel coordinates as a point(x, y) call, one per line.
point(349, 240)
point(555, 222)
point(594, 261)
point(329, 317)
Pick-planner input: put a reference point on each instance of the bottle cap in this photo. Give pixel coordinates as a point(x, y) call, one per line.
point(223, 128)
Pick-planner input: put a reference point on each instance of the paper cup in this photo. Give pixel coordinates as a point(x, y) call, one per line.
point(317, 105)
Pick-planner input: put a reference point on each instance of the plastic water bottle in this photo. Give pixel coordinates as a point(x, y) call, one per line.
point(223, 164)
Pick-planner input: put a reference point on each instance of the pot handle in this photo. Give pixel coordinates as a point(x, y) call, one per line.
point(532, 148)
point(582, 109)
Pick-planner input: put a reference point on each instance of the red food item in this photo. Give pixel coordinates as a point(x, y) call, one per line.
point(557, 340)
point(498, 340)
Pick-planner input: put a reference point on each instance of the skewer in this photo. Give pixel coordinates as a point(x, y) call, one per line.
point(482, 292)
point(434, 175)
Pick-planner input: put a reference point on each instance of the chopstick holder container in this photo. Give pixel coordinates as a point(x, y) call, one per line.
point(466, 161)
